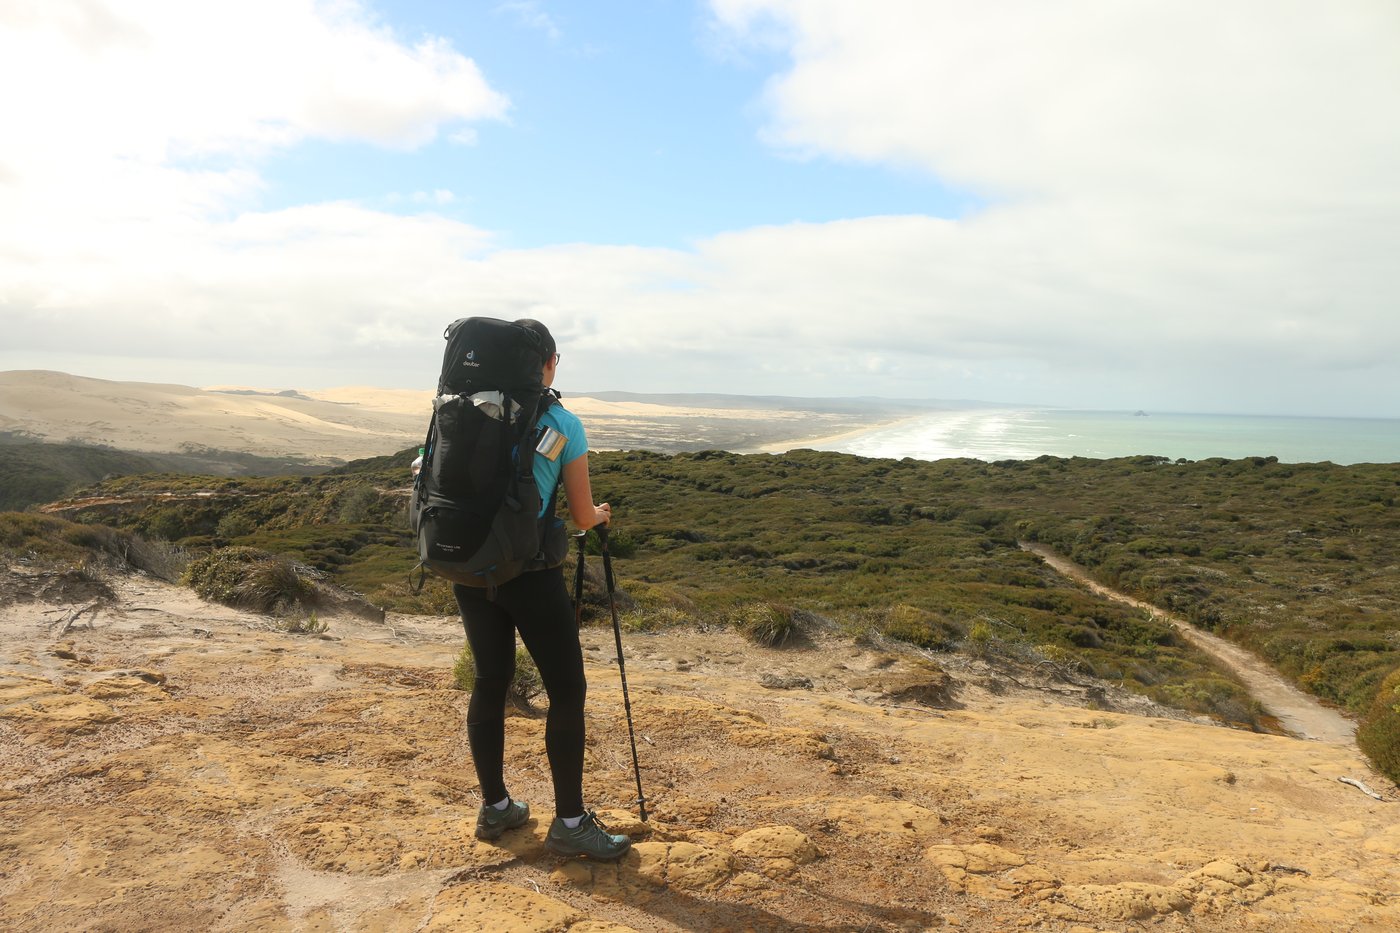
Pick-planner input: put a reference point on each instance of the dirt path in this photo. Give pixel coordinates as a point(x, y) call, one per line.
point(1299, 713)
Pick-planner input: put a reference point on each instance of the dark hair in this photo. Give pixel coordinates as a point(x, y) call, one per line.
point(547, 338)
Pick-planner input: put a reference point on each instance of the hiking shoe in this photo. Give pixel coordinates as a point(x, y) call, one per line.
point(492, 823)
point(590, 839)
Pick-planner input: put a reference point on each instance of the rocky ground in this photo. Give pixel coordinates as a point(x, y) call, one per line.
point(167, 764)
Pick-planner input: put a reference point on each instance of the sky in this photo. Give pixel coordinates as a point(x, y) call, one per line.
point(1118, 204)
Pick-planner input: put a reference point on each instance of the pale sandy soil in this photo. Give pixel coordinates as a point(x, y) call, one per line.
point(167, 764)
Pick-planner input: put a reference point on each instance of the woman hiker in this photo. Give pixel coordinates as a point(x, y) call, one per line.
point(536, 604)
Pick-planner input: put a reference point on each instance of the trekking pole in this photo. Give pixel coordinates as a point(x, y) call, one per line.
point(578, 580)
point(621, 668)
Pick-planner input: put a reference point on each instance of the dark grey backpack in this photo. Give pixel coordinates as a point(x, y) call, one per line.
point(475, 502)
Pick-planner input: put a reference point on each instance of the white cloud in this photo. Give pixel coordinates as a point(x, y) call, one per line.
point(1138, 99)
point(147, 118)
point(134, 132)
point(1185, 208)
point(1210, 189)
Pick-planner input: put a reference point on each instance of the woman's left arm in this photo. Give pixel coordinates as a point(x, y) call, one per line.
point(579, 491)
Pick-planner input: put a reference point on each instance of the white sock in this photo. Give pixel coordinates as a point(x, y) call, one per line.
point(572, 821)
point(502, 804)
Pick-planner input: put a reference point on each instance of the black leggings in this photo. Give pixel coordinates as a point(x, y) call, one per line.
point(537, 605)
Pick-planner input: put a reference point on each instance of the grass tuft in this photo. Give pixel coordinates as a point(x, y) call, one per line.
point(771, 625)
point(248, 578)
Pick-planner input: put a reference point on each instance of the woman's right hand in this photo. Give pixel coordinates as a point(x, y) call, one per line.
point(603, 514)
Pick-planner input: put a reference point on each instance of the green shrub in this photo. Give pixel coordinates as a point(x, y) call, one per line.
point(1060, 656)
point(236, 525)
point(650, 608)
point(1379, 734)
point(767, 624)
point(361, 504)
point(251, 579)
point(918, 627)
point(620, 544)
point(1214, 696)
point(980, 641)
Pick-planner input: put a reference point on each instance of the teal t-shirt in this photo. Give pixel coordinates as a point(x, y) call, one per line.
point(570, 444)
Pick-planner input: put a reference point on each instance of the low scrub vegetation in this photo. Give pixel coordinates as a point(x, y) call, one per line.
point(48, 540)
point(1294, 561)
point(35, 472)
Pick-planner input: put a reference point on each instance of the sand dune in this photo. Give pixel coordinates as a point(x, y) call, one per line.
point(347, 423)
point(151, 417)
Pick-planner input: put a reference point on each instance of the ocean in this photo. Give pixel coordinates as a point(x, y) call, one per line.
point(1012, 434)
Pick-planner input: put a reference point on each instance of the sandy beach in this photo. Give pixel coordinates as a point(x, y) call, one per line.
point(834, 441)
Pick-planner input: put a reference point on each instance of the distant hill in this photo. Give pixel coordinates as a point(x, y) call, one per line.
point(173, 419)
point(32, 473)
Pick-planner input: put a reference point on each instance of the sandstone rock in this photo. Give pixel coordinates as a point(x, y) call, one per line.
point(749, 881)
point(128, 685)
point(648, 861)
point(56, 719)
point(885, 816)
point(493, 907)
point(344, 847)
point(1221, 885)
point(931, 687)
point(16, 688)
point(577, 873)
point(626, 823)
point(691, 867)
point(1225, 871)
point(708, 837)
point(777, 842)
point(959, 863)
point(1131, 900)
point(778, 868)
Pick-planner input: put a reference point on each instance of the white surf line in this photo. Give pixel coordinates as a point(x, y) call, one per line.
point(1299, 713)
